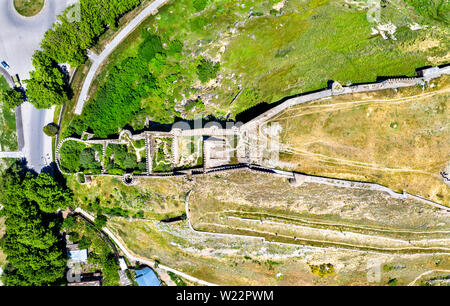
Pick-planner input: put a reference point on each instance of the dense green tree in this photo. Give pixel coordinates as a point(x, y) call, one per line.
point(69, 223)
point(100, 221)
point(130, 82)
point(199, 5)
point(85, 242)
point(47, 85)
point(11, 98)
point(70, 155)
point(87, 158)
point(207, 70)
point(69, 38)
point(118, 100)
point(47, 193)
point(32, 241)
point(50, 129)
point(150, 46)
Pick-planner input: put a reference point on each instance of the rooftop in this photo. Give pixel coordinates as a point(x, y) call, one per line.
point(147, 277)
point(78, 255)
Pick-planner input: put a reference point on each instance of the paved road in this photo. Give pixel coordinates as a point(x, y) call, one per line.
point(19, 38)
point(11, 154)
point(98, 60)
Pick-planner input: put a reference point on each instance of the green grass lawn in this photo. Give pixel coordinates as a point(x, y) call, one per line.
point(8, 138)
point(28, 8)
point(3, 83)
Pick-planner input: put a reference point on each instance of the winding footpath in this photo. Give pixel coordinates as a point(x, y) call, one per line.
point(426, 273)
point(130, 255)
point(97, 60)
point(337, 246)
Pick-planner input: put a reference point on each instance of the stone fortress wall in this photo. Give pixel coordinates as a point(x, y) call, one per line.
point(248, 156)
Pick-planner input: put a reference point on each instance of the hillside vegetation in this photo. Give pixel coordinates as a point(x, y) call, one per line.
point(222, 57)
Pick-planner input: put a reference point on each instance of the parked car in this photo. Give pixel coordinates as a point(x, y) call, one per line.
point(5, 65)
point(16, 81)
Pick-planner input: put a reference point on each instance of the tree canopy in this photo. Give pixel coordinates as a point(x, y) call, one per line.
point(11, 98)
point(32, 243)
point(207, 70)
point(47, 85)
point(67, 42)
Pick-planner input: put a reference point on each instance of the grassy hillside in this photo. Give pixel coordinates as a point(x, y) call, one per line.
point(398, 139)
point(240, 261)
point(267, 50)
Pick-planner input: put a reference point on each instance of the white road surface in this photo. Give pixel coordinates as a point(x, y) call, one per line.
point(98, 60)
point(19, 38)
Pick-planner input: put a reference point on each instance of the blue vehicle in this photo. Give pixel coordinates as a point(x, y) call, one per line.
point(5, 65)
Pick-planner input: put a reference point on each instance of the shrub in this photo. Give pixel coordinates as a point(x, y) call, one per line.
point(150, 47)
point(11, 98)
point(207, 70)
point(50, 130)
point(392, 282)
point(87, 158)
point(70, 155)
point(322, 270)
point(69, 223)
point(85, 242)
point(100, 221)
point(200, 5)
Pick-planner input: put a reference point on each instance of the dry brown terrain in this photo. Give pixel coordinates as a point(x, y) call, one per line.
point(243, 261)
point(315, 214)
point(397, 139)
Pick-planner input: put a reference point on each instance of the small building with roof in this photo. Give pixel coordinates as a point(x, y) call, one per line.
point(78, 255)
point(122, 264)
point(147, 277)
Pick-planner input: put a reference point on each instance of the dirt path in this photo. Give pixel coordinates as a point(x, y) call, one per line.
point(345, 105)
point(341, 161)
point(133, 257)
point(425, 273)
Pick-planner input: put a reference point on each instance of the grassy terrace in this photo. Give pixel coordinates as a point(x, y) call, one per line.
point(240, 261)
point(146, 201)
point(259, 196)
point(397, 139)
